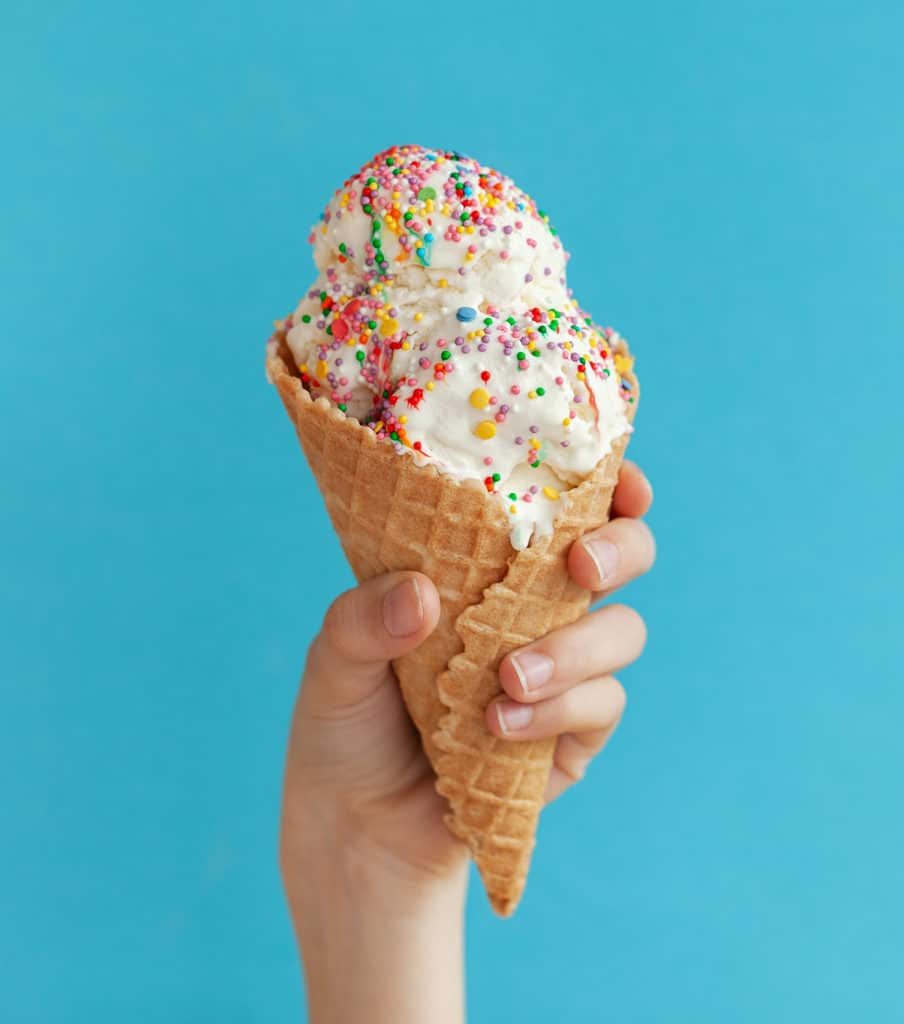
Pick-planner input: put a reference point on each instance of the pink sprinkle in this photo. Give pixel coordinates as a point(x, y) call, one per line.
point(532, 242)
point(560, 381)
point(424, 363)
point(526, 497)
point(500, 417)
point(503, 255)
point(516, 390)
point(494, 400)
point(488, 460)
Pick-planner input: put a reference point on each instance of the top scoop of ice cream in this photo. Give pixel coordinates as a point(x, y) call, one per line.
point(441, 318)
point(415, 209)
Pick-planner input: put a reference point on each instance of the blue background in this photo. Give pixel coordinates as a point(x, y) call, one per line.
point(728, 178)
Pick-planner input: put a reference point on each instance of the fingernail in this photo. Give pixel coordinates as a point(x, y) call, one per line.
point(512, 716)
point(403, 612)
point(532, 669)
point(604, 555)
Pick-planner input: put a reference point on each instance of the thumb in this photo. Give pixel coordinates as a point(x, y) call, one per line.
point(364, 629)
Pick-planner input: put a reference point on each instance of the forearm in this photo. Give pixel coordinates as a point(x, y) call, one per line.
point(379, 949)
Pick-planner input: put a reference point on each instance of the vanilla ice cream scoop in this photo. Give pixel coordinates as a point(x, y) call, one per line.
point(441, 318)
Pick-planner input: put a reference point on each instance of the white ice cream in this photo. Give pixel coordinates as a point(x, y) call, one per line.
point(452, 333)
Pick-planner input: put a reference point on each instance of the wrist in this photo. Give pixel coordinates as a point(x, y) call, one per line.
point(379, 940)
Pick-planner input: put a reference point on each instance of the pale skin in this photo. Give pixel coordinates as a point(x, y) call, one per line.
point(375, 882)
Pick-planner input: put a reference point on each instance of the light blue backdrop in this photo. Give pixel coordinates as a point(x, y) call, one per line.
point(728, 178)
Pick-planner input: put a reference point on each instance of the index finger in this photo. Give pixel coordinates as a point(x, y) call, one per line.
point(633, 493)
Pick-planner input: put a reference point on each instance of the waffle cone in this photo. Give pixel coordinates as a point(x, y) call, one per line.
point(390, 515)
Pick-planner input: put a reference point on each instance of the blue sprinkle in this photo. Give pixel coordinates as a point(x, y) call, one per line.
point(428, 237)
point(465, 313)
point(421, 252)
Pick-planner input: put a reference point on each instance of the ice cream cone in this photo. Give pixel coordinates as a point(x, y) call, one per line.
point(391, 514)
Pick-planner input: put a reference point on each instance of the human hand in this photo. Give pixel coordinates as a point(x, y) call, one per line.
point(363, 847)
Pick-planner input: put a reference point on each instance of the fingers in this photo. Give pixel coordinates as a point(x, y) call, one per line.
point(613, 555)
point(364, 629)
point(572, 757)
point(589, 708)
point(633, 495)
point(597, 644)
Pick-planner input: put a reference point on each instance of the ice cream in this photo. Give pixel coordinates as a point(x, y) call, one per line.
point(453, 401)
point(441, 318)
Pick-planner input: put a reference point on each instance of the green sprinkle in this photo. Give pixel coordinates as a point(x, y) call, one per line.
point(427, 193)
point(375, 225)
point(372, 324)
point(488, 320)
point(329, 330)
point(554, 324)
point(305, 319)
point(342, 247)
point(445, 355)
point(510, 320)
point(496, 478)
point(513, 496)
point(376, 243)
point(463, 217)
point(394, 435)
point(368, 208)
point(342, 406)
point(541, 391)
point(542, 328)
point(408, 216)
point(521, 355)
point(389, 161)
point(535, 352)
point(359, 356)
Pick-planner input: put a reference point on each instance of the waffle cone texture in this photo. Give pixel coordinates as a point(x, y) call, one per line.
point(390, 515)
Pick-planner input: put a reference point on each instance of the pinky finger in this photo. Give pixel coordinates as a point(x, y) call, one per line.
point(572, 758)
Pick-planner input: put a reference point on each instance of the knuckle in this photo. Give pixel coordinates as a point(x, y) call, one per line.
point(620, 696)
point(633, 624)
point(341, 620)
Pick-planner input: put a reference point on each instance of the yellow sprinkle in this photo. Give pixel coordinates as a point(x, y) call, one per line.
point(419, 316)
point(551, 493)
point(406, 346)
point(469, 230)
point(623, 363)
point(442, 282)
point(532, 394)
point(469, 255)
point(395, 195)
point(323, 230)
point(534, 443)
point(403, 419)
point(323, 368)
point(429, 385)
point(485, 430)
point(389, 326)
point(566, 422)
point(480, 398)
point(303, 367)
point(512, 509)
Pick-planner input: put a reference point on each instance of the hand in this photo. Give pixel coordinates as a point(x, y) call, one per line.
point(375, 881)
